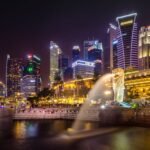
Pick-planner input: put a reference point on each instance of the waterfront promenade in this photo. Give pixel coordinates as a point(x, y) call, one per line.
point(56, 113)
point(106, 116)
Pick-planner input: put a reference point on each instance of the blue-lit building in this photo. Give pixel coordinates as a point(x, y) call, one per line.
point(127, 37)
point(83, 69)
point(68, 74)
point(93, 52)
point(75, 53)
point(63, 65)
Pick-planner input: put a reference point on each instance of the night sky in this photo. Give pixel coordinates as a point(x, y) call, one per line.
point(27, 26)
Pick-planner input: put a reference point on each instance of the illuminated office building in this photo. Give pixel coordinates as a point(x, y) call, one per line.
point(14, 72)
point(31, 80)
point(83, 69)
point(112, 62)
point(55, 52)
point(75, 53)
point(144, 48)
point(29, 85)
point(127, 41)
point(2, 89)
point(93, 52)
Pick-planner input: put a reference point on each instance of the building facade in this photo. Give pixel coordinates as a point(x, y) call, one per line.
point(127, 41)
point(2, 90)
point(112, 63)
point(31, 80)
point(63, 65)
point(144, 48)
point(75, 53)
point(83, 69)
point(14, 73)
point(55, 52)
point(93, 52)
point(137, 84)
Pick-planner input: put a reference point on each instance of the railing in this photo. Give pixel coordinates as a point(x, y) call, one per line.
point(54, 113)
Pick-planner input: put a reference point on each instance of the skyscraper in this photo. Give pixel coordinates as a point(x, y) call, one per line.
point(93, 52)
point(127, 41)
point(31, 80)
point(55, 51)
point(75, 53)
point(112, 50)
point(14, 72)
point(144, 48)
point(83, 69)
point(63, 65)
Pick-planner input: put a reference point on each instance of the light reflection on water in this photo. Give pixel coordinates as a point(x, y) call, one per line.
point(24, 130)
point(23, 135)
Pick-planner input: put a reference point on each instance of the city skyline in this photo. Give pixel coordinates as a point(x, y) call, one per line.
point(30, 31)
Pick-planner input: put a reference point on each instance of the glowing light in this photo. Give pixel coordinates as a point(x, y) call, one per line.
point(115, 42)
point(126, 22)
point(32, 81)
point(36, 57)
point(29, 56)
point(102, 106)
point(107, 92)
point(76, 47)
point(113, 26)
point(30, 69)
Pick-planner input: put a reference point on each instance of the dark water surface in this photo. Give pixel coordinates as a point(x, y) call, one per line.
point(41, 135)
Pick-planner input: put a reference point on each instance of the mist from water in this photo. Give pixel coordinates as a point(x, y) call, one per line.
point(95, 94)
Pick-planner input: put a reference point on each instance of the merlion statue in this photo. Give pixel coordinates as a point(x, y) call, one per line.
point(118, 84)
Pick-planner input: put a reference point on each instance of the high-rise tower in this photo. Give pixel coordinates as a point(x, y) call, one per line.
point(31, 80)
point(14, 72)
point(93, 52)
point(112, 63)
point(55, 51)
point(127, 41)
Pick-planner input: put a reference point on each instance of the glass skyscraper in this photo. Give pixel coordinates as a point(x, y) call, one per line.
point(127, 41)
point(93, 52)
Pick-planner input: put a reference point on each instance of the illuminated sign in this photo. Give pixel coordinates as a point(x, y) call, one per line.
point(126, 22)
point(83, 63)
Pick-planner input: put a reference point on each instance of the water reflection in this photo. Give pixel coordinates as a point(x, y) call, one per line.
point(41, 134)
point(24, 130)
